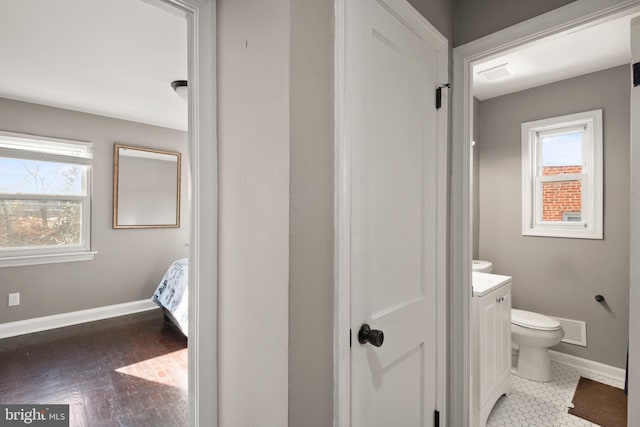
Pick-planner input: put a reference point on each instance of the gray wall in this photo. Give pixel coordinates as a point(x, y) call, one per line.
point(253, 115)
point(556, 276)
point(478, 18)
point(475, 184)
point(439, 13)
point(311, 223)
point(254, 134)
point(129, 263)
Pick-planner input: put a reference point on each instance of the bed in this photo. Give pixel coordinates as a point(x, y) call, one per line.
point(172, 294)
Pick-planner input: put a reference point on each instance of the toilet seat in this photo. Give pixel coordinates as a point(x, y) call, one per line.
point(531, 320)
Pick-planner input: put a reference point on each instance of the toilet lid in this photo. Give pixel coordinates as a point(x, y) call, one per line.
point(528, 319)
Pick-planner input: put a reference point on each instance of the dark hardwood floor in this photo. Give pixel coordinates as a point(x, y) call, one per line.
point(127, 371)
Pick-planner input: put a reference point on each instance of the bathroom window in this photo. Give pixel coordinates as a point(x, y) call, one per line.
point(562, 176)
point(45, 194)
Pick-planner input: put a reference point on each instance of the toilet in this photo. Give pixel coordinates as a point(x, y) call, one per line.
point(534, 333)
point(481, 266)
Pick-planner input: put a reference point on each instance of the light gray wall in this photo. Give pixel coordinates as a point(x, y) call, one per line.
point(276, 121)
point(311, 226)
point(254, 134)
point(555, 276)
point(475, 185)
point(477, 18)
point(129, 263)
point(439, 13)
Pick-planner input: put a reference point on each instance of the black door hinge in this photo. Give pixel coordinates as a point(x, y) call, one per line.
point(349, 338)
point(439, 94)
point(436, 418)
point(636, 74)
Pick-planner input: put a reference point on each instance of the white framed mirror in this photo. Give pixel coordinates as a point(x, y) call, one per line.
point(146, 187)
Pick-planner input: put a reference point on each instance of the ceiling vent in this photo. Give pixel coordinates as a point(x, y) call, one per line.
point(496, 73)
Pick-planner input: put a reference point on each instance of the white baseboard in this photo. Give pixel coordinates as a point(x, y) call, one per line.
point(21, 327)
point(588, 365)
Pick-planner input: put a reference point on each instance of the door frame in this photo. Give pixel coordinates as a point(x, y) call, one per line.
point(203, 256)
point(580, 13)
point(633, 411)
point(343, 58)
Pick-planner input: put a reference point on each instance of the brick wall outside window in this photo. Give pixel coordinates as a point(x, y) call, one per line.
point(562, 196)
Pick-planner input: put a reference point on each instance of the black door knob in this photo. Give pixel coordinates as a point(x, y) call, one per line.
point(371, 336)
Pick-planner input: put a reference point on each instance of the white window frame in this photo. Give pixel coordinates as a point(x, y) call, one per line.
point(22, 146)
point(590, 226)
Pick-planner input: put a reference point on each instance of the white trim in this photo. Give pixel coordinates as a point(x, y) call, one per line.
point(58, 149)
point(587, 365)
point(633, 409)
point(590, 226)
point(42, 148)
point(459, 371)
point(203, 155)
point(342, 201)
point(39, 324)
point(442, 221)
point(203, 268)
point(17, 261)
point(342, 239)
point(563, 19)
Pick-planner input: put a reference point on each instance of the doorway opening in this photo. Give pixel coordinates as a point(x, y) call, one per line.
point(199, 210)
point(469, 228)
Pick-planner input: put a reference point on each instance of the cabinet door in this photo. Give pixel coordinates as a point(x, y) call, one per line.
point(503, 327)
point(488, 340)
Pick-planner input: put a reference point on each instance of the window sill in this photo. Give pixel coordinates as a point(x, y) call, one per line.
point(566, 233)
point(18, 261)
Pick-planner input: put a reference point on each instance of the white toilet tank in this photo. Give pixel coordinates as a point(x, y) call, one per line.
point(480, 266)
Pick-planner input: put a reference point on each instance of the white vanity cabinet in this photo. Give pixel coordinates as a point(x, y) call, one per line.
point(490, 343)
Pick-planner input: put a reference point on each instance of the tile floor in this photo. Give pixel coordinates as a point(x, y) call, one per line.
point(537, 404)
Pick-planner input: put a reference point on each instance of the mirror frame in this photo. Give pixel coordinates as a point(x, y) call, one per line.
point(116, 158)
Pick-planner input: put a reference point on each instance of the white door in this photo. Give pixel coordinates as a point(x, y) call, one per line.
point(397, 213)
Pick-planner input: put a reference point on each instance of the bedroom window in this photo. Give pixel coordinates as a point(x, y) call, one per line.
point(45, 200)
point(562, 176)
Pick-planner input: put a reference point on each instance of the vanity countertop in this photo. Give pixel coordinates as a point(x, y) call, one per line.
point(483, 283)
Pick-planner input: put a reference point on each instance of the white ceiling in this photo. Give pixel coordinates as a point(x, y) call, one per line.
point(115, 58)
point(558, 58)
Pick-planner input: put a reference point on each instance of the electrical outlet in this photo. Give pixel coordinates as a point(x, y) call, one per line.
point(14, 299)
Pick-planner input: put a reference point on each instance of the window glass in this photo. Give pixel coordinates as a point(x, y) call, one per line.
point(25, 223)
point(45, 200)
point(561, 151)
point(561, 155)
point(560, 198)
point(26, 176)
point(562, 176)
